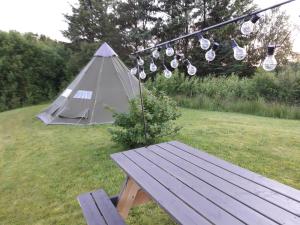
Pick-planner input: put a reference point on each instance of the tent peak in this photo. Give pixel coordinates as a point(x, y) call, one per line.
point(105, 51)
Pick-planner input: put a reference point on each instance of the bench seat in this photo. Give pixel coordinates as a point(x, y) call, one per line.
point(98, 209)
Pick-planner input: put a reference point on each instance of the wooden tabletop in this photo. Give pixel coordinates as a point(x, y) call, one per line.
point(197, 188)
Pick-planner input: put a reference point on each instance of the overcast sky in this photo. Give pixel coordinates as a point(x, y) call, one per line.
point(46, 16)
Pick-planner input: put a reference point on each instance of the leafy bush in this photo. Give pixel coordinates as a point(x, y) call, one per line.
point(266, 94)
point(160, 114)
point(32, 69)
point(281, 88)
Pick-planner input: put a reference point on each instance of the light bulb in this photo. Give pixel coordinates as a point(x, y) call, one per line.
point(140, 61)
point(174, 63)
point(239, 53)
point(248, 26)
point(153, 67)
point(156, 54)
point(192, 70)
point(170, 51)
point(204, 43)
point(210, 55)
point(142, 74)
point(270, 62)
point(167, 73)
point(133, 71)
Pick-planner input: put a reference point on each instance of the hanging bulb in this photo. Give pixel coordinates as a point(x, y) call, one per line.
point(211, 54)
point(133, 71)
point(270, 62)
point(153, 67)
point(140, 61)
point(248, 26)
point(156, 53)
point(174, 62)
point(239, 53)
point(142, 74)
point(192, 70)
point(169, 51)
point(204, 43)
point(167, 73)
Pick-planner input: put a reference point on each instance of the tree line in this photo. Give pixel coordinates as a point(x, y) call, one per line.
point(133, 24)
point(35, 69)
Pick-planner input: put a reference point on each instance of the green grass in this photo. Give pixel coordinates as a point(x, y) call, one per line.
point(43, 168)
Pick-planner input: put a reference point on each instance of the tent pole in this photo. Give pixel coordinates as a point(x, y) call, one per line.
point(142, 103)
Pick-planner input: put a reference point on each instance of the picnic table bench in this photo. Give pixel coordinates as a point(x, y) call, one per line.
point(195, 188)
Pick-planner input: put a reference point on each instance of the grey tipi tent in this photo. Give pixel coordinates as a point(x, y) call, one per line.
point(104, 84)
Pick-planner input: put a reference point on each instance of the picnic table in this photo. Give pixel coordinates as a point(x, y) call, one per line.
point(195, 188)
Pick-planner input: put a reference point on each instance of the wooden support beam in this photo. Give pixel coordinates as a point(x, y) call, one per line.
point(131, 195)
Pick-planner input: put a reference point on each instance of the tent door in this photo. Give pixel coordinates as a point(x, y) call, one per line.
point(74, 114)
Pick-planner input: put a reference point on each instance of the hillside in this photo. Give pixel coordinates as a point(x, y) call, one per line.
point(43, 168)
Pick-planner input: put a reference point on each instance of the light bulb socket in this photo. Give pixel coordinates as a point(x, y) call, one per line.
point(199, 35)
point(271, 49)
point(215, 46)
point(234, 43)
point(168, 45)
point(158, 49)
point(255, 18)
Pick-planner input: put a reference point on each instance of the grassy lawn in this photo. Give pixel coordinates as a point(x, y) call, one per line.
point(43, 168)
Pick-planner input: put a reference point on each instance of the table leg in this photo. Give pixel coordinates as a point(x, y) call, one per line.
point(131, 195)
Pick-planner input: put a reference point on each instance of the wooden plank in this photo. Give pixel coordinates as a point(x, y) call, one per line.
point(90, 210)
point(252, 201)
point(181, 212)
point(127, 197)
point(254, 177)
point(254, 188)
point(234, 207)
point(107, 209)
point(141, 198)
point(199, 203)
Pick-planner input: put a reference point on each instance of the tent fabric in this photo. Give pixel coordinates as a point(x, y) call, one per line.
point(102, 87)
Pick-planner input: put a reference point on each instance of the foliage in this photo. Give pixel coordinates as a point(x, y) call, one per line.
point(160, 114)
point(282, 87)
point(129, 25)
point(32, 69)
point(43, 168)
point(266, 94)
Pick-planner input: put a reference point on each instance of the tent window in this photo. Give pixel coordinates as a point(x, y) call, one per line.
point(80, 94)
point(66, 93)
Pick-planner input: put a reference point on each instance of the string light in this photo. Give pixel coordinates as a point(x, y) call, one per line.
point(204, 43)
point(239, 53)
point(167, 73)
point(192, 70)
point(174, 63)
point(211, 54)
point(142, 74)
point(140, 61)
point(153, 67)
point(270, 63)
point(133, 71)
point(170, 51)
point(156, 53)
point(248, 26)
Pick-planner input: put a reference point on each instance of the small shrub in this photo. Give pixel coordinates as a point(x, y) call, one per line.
point(160, 114)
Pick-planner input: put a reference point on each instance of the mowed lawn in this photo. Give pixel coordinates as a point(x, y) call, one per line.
point(43, 168)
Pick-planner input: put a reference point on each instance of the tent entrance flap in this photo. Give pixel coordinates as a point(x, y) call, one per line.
point(74, 114)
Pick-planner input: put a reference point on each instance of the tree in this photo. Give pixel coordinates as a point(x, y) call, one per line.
point(135, 18)
point(32, 69)
point(273, 28)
